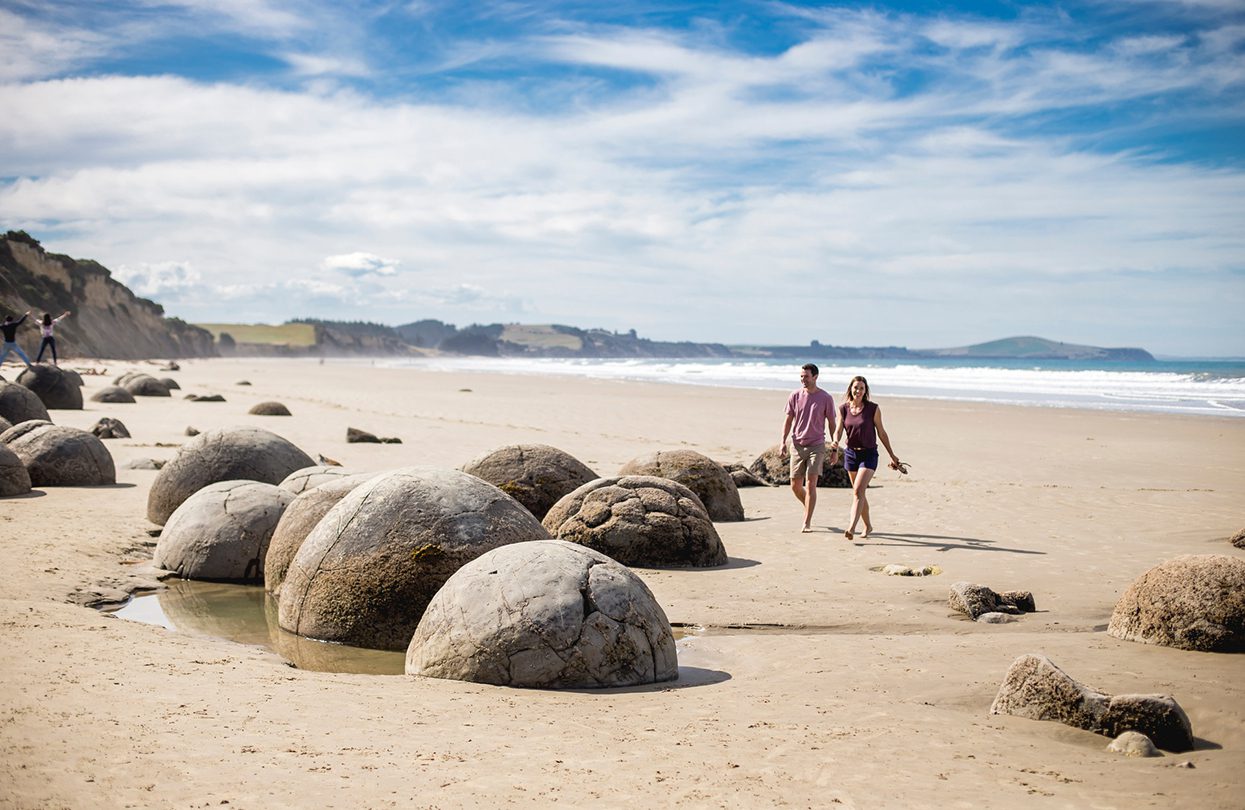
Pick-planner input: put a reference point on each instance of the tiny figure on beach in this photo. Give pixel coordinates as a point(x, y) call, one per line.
point(9, 327)
point(809, 410)
point(49, 341)
point(861, 419)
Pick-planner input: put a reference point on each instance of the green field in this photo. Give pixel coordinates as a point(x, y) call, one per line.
point(540, 336)
point(286, 334)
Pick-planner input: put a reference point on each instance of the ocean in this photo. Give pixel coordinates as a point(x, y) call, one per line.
point(1205, 387)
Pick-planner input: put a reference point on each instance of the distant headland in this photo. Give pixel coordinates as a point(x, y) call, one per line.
point(111, 321)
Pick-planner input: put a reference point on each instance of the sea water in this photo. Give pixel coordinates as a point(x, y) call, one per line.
point(1208, 387)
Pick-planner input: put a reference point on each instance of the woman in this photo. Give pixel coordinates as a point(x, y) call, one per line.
point(861, 420)
point(46, 328)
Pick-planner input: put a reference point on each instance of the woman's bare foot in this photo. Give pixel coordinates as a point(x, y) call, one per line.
point(868, 530)
point(806, 529)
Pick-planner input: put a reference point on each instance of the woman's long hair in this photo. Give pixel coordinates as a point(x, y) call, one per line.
point(848, 394)
point(47, 319)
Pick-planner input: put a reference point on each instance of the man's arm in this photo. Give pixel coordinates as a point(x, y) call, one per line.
point(786, 429)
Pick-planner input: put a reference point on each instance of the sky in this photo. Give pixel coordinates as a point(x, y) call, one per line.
point(921, 174)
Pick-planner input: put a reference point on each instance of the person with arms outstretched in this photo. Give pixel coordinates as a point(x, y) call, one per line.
point(49, 342)
point(9, 327)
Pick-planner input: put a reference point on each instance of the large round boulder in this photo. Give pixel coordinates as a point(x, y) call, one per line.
point(300, 517)
point(112, 393)
point(775, 469)
point(547, 614)
point(19, 404)
point(14, 479)
point(699, 473)
point(57, 390)
point(225, 454)
point(535, 475)
point(5, 424)
point(222, 531)
point(368, 569)
point(1194, 602)
point(307, 478)
point(145, 385)
point(639, 520)
point(269, 409)
point(60, 456)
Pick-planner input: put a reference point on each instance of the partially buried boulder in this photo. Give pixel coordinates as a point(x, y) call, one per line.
point(170, 383)
point(112, 393)
point(145, 385)
point(224, 454)
point(222, 532)
point(1238, 539)
point(977, 600)
point(357, 436)
point(307, 478)
point(1037, 689)
point(1194, 602)
point(639, 520)
point(57, 390)
point(269, 409)
point(367, 571)
point(547, 614)
point(14, 479)
point(60, 456)
point(535, 475)
point(19, 404)
point(302, 515)
point(701, 474)
point(108, 428)
point(775, 469)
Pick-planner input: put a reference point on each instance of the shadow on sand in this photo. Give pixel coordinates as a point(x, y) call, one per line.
point(938, 542)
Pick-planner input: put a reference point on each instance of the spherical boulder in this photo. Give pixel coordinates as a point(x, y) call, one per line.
point(170, 383)
point(222, 531)
point(19, 404)
point(535, 475)
point(639, 520)
point(775, 469)
point(145, 385)
point(368, 569)
point(14, 479)
point(1193, 602)
point(60, 456)
point(224, 454)
point(300, 517)
point(546, 614)
point(269, 409)
point(56, 389)
point(112, 393)
point(699, 473)
point(307, 478)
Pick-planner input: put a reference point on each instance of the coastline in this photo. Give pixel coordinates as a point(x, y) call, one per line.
point(871, 692)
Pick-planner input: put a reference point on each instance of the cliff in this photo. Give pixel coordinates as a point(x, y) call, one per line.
point(1036, 348)
point(108, 320)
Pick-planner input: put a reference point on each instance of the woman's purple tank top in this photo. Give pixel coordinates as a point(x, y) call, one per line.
point(859, 426)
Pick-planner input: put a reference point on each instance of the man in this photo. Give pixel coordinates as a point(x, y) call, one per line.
point(809, 410)
point(9, 327)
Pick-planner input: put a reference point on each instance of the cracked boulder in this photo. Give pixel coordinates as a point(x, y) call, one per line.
point(14, 479)
point(699, 473)
point(1193, 602)
point(535, 475)
point(109, 428)
point(224, 454)
point(365, 573)
point(56, 388)
point(307, 478)
point(113, 393)
point(299, 518)
point(977, 601)
point(19, 404)
point(775, 470)
point(1037, 689)
point(546, 614)
point(60, 456)
point(221, 532)
point(639, 520)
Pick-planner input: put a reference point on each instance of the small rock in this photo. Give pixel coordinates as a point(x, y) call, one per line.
point(192, 431)
point(995, 617)
point(356, 436)
point(205, 398)
point(244, 382)
point(170, 366)
point(1133, 744)
point(328, 462)
point(108, 428)
point(144, 464)
point(1238, 539)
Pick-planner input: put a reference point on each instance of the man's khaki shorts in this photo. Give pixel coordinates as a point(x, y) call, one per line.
point(806, 462)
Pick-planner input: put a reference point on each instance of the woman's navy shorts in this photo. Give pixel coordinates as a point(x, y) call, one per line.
point(853, 460)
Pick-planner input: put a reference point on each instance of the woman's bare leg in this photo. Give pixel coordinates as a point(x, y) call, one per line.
point(860, 502)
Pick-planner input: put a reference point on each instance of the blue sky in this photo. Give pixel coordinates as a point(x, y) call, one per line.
point(921, 174)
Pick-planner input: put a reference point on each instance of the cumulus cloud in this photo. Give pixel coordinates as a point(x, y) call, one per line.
point(159, 280)
point(361, 264)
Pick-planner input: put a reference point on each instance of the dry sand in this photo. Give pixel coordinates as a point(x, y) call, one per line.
point(869, 693)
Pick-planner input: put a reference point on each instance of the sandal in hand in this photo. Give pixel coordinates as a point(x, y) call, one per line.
point(901, 466)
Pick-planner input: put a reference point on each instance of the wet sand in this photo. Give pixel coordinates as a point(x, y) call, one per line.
point(869, 693)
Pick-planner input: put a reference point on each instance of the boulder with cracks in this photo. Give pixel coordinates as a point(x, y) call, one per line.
point(976, 601)
point(1193, 602)
point(709, 480)
point(60, 456)
point(535, 475)
point(302, 515)
point(221, 533)
point(546, 614)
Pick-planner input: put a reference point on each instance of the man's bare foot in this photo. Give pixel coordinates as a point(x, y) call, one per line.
point(847, 534)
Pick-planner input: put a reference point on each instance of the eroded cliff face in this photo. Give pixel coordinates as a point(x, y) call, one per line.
point(108, 320)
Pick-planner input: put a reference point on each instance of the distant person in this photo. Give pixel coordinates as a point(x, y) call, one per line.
point(861, 420)
point(49, 342)
point(9, 327)
point(809, 410)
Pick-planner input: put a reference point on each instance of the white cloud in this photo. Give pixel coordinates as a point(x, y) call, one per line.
point(160, 279)
point(361, 264)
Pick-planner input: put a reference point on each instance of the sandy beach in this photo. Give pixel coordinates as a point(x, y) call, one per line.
point(816, 681)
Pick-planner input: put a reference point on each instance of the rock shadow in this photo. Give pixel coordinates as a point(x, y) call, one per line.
point(689, 677)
